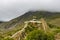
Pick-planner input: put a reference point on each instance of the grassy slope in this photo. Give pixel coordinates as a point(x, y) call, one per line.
point(49, 16)
point(10, 28)
point(52, 18)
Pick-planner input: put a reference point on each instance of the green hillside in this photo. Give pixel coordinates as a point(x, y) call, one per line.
point(49, 16)
point(16, 24)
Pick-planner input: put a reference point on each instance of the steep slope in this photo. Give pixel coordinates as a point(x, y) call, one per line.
point(49, 16)
point(16, 24)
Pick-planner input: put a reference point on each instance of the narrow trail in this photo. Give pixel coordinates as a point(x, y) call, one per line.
point(18, 35)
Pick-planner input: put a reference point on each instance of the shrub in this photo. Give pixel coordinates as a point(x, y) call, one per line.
point(8, 38)
point(39, 35)
point(53, 26)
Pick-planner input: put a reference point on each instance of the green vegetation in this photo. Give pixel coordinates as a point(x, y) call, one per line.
point(8, 38)
point(40, 35)
point(30, 28)
point(11, 27)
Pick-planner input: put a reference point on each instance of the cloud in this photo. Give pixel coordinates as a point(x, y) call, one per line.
point(10, 9)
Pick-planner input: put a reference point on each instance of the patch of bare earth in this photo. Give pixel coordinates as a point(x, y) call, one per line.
point(57, 36)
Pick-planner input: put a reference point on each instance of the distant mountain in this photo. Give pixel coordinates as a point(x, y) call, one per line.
point(51, 17)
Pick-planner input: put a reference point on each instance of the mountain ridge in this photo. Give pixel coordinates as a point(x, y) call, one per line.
point(16, 24)
point(28, 16)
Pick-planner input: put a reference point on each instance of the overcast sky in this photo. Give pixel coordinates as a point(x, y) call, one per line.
point(10, 9)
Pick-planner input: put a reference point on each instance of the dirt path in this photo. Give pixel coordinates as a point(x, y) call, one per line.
point(18, 35)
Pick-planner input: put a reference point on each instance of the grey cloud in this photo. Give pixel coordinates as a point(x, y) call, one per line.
point(10, 9)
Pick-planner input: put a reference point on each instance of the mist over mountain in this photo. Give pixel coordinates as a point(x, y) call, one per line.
point(30, 19)
point(10, 9)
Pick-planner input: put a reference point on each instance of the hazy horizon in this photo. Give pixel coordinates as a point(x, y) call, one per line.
point(10, 9)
